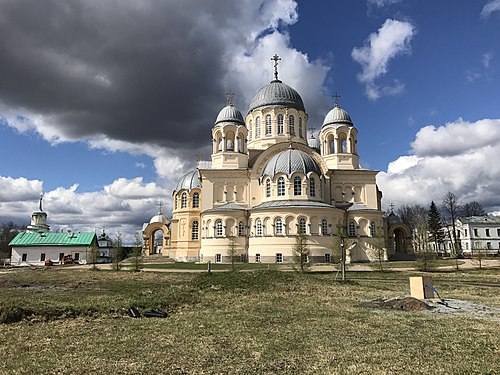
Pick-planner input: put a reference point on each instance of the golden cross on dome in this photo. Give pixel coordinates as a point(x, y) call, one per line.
point(276, 58)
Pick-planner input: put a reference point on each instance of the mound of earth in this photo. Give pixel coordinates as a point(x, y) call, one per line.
point(398, 303)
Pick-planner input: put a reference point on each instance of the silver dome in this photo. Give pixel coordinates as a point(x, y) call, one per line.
point(313, 143)
point(277, 93)
point(159, 218)
point(189, 181)
point(230, 114)
point(289, 162)
point(337, 116)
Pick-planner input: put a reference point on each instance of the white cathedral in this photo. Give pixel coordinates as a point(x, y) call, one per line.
point(267, 182)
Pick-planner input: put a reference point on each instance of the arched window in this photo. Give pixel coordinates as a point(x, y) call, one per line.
point(250, 131)
point(278, 227)
point(332, 147)
point(268, 125)
point(280, 124)
point(175, 203)
point(297, 186)
point(241, 228)
point(257, 127)
point(230, 145)
point(259, 228)
point(184, 200)
point(268, 188)
point(281, 186)
point(218, 228)
point(324, 227)
point(300, 127)
point(344, 146)
point(312, 187)
point(302, 226)
point(194, 230)
point(221, 145)
point(351, 229)
point(196, 200)
point(291, 125)
point(373, 231)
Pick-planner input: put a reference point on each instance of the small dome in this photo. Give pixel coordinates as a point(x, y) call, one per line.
point(189, 181)
point(313, 143)
point(393, 219)
point(289, 162)
point(337, 116)
point(230, 114)
point(159, 218)
point(277, 93)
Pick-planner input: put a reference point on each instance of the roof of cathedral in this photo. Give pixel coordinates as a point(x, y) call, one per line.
point(277, 93)
point(293, 203)
point(53, 239)
point(189, 181)
point(226, 207)
point(230, 114)
point(337, 116)
point(289, 162)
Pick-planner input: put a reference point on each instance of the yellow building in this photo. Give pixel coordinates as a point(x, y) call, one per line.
point(267, 182)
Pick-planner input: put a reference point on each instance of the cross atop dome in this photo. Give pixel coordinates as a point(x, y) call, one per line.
point(230, 96)
point(336, 97)
point(275, 58)
point(41, 199)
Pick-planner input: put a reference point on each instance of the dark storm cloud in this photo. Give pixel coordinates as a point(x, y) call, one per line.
point(135, 71)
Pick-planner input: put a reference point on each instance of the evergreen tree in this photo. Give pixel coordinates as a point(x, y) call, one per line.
point(435, 225)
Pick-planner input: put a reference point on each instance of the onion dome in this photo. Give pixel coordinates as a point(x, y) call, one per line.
point(230, 114)
point(337, 116)
point(189, 181)
point(313, 143)
point(159, 218)
point(289, 162)
point(278, 94)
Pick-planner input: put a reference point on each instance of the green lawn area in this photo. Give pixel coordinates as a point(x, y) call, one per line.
point(74, 321)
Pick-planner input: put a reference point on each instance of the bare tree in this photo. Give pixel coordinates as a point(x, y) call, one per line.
point(117, 255)
point(410, 214)
point(93, 255)
point(380, 246)
point(473, 208)
point(7, 233)
point(137, 254)
point(452, 206)
point(301, 252)
point(420, 240)
point(231, 251)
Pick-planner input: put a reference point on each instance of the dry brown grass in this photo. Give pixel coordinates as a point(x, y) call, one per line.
point(247, 323)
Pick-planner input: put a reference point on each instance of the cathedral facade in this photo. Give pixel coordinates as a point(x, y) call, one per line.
point(267, 182)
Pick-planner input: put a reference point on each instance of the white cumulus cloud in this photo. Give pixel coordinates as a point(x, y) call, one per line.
point(392, 39)
point(459, 156)
point(490, 7)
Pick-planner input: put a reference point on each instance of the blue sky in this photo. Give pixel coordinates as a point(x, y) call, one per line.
point(105, 110)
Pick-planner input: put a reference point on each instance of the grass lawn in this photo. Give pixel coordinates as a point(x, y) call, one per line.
point(74, 321)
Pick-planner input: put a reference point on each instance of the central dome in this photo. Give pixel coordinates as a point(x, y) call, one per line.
point(289, 162)
point(277, 93)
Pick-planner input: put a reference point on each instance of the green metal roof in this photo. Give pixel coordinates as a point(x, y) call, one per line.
point(53, 239)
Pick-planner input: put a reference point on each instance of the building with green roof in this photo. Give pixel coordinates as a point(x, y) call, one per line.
point(37, 244)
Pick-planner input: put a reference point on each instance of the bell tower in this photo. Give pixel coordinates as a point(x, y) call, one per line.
point(229, 138)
